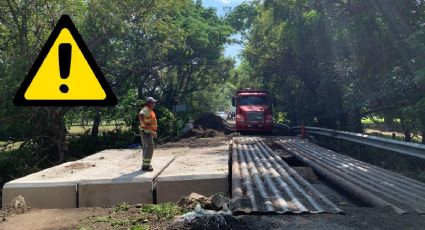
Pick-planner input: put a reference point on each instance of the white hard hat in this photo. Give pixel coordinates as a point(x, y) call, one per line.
point(150, 99)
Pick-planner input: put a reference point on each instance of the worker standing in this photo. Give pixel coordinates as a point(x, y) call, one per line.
point(148, 127)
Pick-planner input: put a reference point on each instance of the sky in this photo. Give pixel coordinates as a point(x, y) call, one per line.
point(232, 50)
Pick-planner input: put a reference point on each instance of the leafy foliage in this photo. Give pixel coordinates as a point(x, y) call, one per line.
point(169, 50)
point(330, 63)
point(164, 211)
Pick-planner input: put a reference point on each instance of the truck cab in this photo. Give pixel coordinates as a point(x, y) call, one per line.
point(254, 110)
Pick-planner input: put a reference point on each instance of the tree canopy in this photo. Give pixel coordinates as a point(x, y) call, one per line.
point(332, 63)
point(170, 50)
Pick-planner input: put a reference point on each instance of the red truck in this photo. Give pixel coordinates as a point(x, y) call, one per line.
point(253, 110)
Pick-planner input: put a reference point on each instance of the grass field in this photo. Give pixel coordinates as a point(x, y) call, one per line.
point(387, 134)
point(78, 129)
point(370, 121)
point(376, 126)
point(376, 120)
point(72, 130)
point(4, 146)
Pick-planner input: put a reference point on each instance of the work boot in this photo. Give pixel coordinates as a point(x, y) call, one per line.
point(150, 169)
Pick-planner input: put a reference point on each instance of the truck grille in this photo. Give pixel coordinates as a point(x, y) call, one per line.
point(255, 116)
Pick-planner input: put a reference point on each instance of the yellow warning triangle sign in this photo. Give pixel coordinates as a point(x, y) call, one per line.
point(65, 73)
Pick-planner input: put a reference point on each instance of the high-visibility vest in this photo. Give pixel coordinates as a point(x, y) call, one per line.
point(149, 122)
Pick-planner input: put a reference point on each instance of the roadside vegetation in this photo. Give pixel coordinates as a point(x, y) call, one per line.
point(172, 51)
point(337, 64)
point(125, 216)
point(377, 126)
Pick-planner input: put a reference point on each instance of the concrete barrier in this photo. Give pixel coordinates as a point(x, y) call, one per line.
point(172, 188)
point(54, 187)
point(204, 172)
point(106, 194)
point(134, 187)
point(113, 176)
point(102, 179)
point(42, 195)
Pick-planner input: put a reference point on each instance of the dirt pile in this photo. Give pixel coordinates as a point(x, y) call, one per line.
point(16, 206)
point(190, 202)
point(215, 202)
point(202, 133)
point(207, 212)
point(209, 125)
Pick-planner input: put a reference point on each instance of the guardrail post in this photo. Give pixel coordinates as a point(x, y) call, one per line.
point(303, 132)
point(339, 143)
point(359, 152)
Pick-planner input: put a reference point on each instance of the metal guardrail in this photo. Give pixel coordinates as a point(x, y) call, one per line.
point(282, 126)
point(411, 149)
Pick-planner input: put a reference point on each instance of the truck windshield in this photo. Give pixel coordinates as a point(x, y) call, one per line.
point(252, 100)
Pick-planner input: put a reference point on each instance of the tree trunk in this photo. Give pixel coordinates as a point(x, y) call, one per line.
point(59, 132)
point(96, 123)
point(389, 119)
point(405, 128)
point(343, 121)
point(140, 91)
point(407, 136)
point(356, 121)
point(423, 135)
point(62, 148)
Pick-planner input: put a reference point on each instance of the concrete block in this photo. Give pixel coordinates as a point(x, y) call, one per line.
point(204, 171)
point(111, 194)
point(54, 187)
point(116, 187)
point(42, 195)
point(105, 178)
point(172, 188)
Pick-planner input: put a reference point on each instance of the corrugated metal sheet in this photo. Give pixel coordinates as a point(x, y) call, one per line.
point(263, 183)
point(403, 193)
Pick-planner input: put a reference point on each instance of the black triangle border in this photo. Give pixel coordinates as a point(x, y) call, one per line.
point(64, 22)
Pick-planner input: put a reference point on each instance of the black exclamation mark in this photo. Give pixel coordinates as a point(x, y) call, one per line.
point(64, 64)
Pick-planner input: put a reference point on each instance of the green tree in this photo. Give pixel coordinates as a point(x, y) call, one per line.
point(330, 63)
